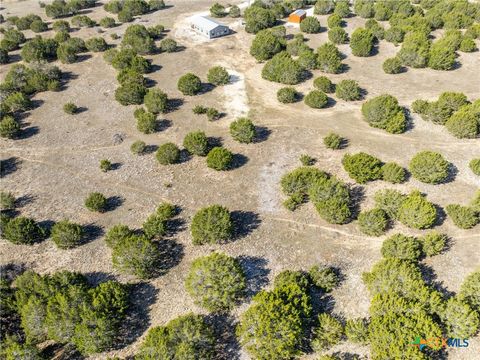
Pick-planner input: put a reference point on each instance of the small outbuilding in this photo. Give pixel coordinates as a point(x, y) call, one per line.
point(297, 16)
point(209, 27)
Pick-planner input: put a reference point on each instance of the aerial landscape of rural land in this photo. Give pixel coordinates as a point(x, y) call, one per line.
point(234, 180)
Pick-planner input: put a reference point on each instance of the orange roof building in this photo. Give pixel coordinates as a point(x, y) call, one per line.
point(297, 16)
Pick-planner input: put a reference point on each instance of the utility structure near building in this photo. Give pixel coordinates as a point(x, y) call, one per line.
point(297, 16)
point(209, 27)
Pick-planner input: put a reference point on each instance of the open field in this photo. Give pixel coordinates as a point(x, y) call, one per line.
point(56, 167)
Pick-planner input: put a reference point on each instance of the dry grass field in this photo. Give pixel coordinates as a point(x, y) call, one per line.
point(56, 167)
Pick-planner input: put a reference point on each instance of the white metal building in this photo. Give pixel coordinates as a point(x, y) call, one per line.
point(209, 27)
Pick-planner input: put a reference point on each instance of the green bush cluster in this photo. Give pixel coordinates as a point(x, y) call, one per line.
point(243, 130)
point(62, 8)
point(316, 99)
point(287, 95)
point(362, 167)
point(373, 222)
point(403, 247)
point(266, 44)
point(196, 143)
point(330, 196)
point(464, 217)
point(257, 18)
point(429, 167)
point(324, 84)
point(218, 75)
point(65, 308)
point(66, 234)
point(474, 165)
point(96, 202)
point(284, 311)
point(324, 7)
point(283, 69)
point(415, 50)
point(328, 333)
point(323, 277)
point(392, 66)
point(96, 44)
point(146, 121)
point(333, 141)
point(338, 35)
point(310, 25)
point(219, 158)
point(168, 154)
point(329, 59)
point(361, 42)
point(216, 282)
point(189, 84)
point(185, 337)
point(348, 90)
point(385, 113)
point(212, 224)
point(12, 39)
point(156, 101)
point(22, 230)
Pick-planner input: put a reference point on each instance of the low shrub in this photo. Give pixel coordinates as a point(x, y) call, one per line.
point(186, 337)
point(463, 217)
point(107, 22)
point(384, 112)
point(130, 93)
point(154, 226)
point(468, 45)
point(333, 141)
point(189, 84)
point(392, 66)
point(401, 247)
point(196, 143)
point(316, 99)
point(310, 25)
point(300, 180)
point(116, 234)
point(329, 59)
point(394, 35)
point(324, 84)
point(342, 8)
point(307, 160)
point(216, 282)
point(283, 69)
point(23, 230)
point(332, 200)
point(156, 101)
point(334, 21)
point(356, 331)
point(9, 127)
point(416, 212)
point(137, 255)
point(464, 124)
point(106, 165)
point(361, 42)
point(373, 222)
point(146, 122)
point(168, 153)
point(243, 130)
point(218, 75)
point(389, 201)
point(328, 333)
point(338, 35)
point(96, 44)
point(66, 234)
point(324, 7)
point(429, 167)
point(96, 202)
point(219, 159)
point(287, 95)
point(324, 277)
point(393, 173)
point(362, 167)
point(211, 225)
point(168, 45)
point(348, 90)
point(433, 243)
point(213, 114)
point(474, 165)
point(7, 201)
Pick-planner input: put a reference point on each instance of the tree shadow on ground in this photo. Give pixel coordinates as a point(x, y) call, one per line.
point(24, 200)
point(357, 194)
point(238, 161)
point(172, 254)
point(162, 124)
point(256, 273)
point(142, 296)
point(92, 232)
point(114, 202)
point(226, 346)
point(429, 276)
point(262, 134)
point(244, 222)
point(28, 132)
point(9, 166)
point(174, 104)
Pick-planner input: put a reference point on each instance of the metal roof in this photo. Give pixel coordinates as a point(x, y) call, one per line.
point(299, 12)
point(205, 22)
